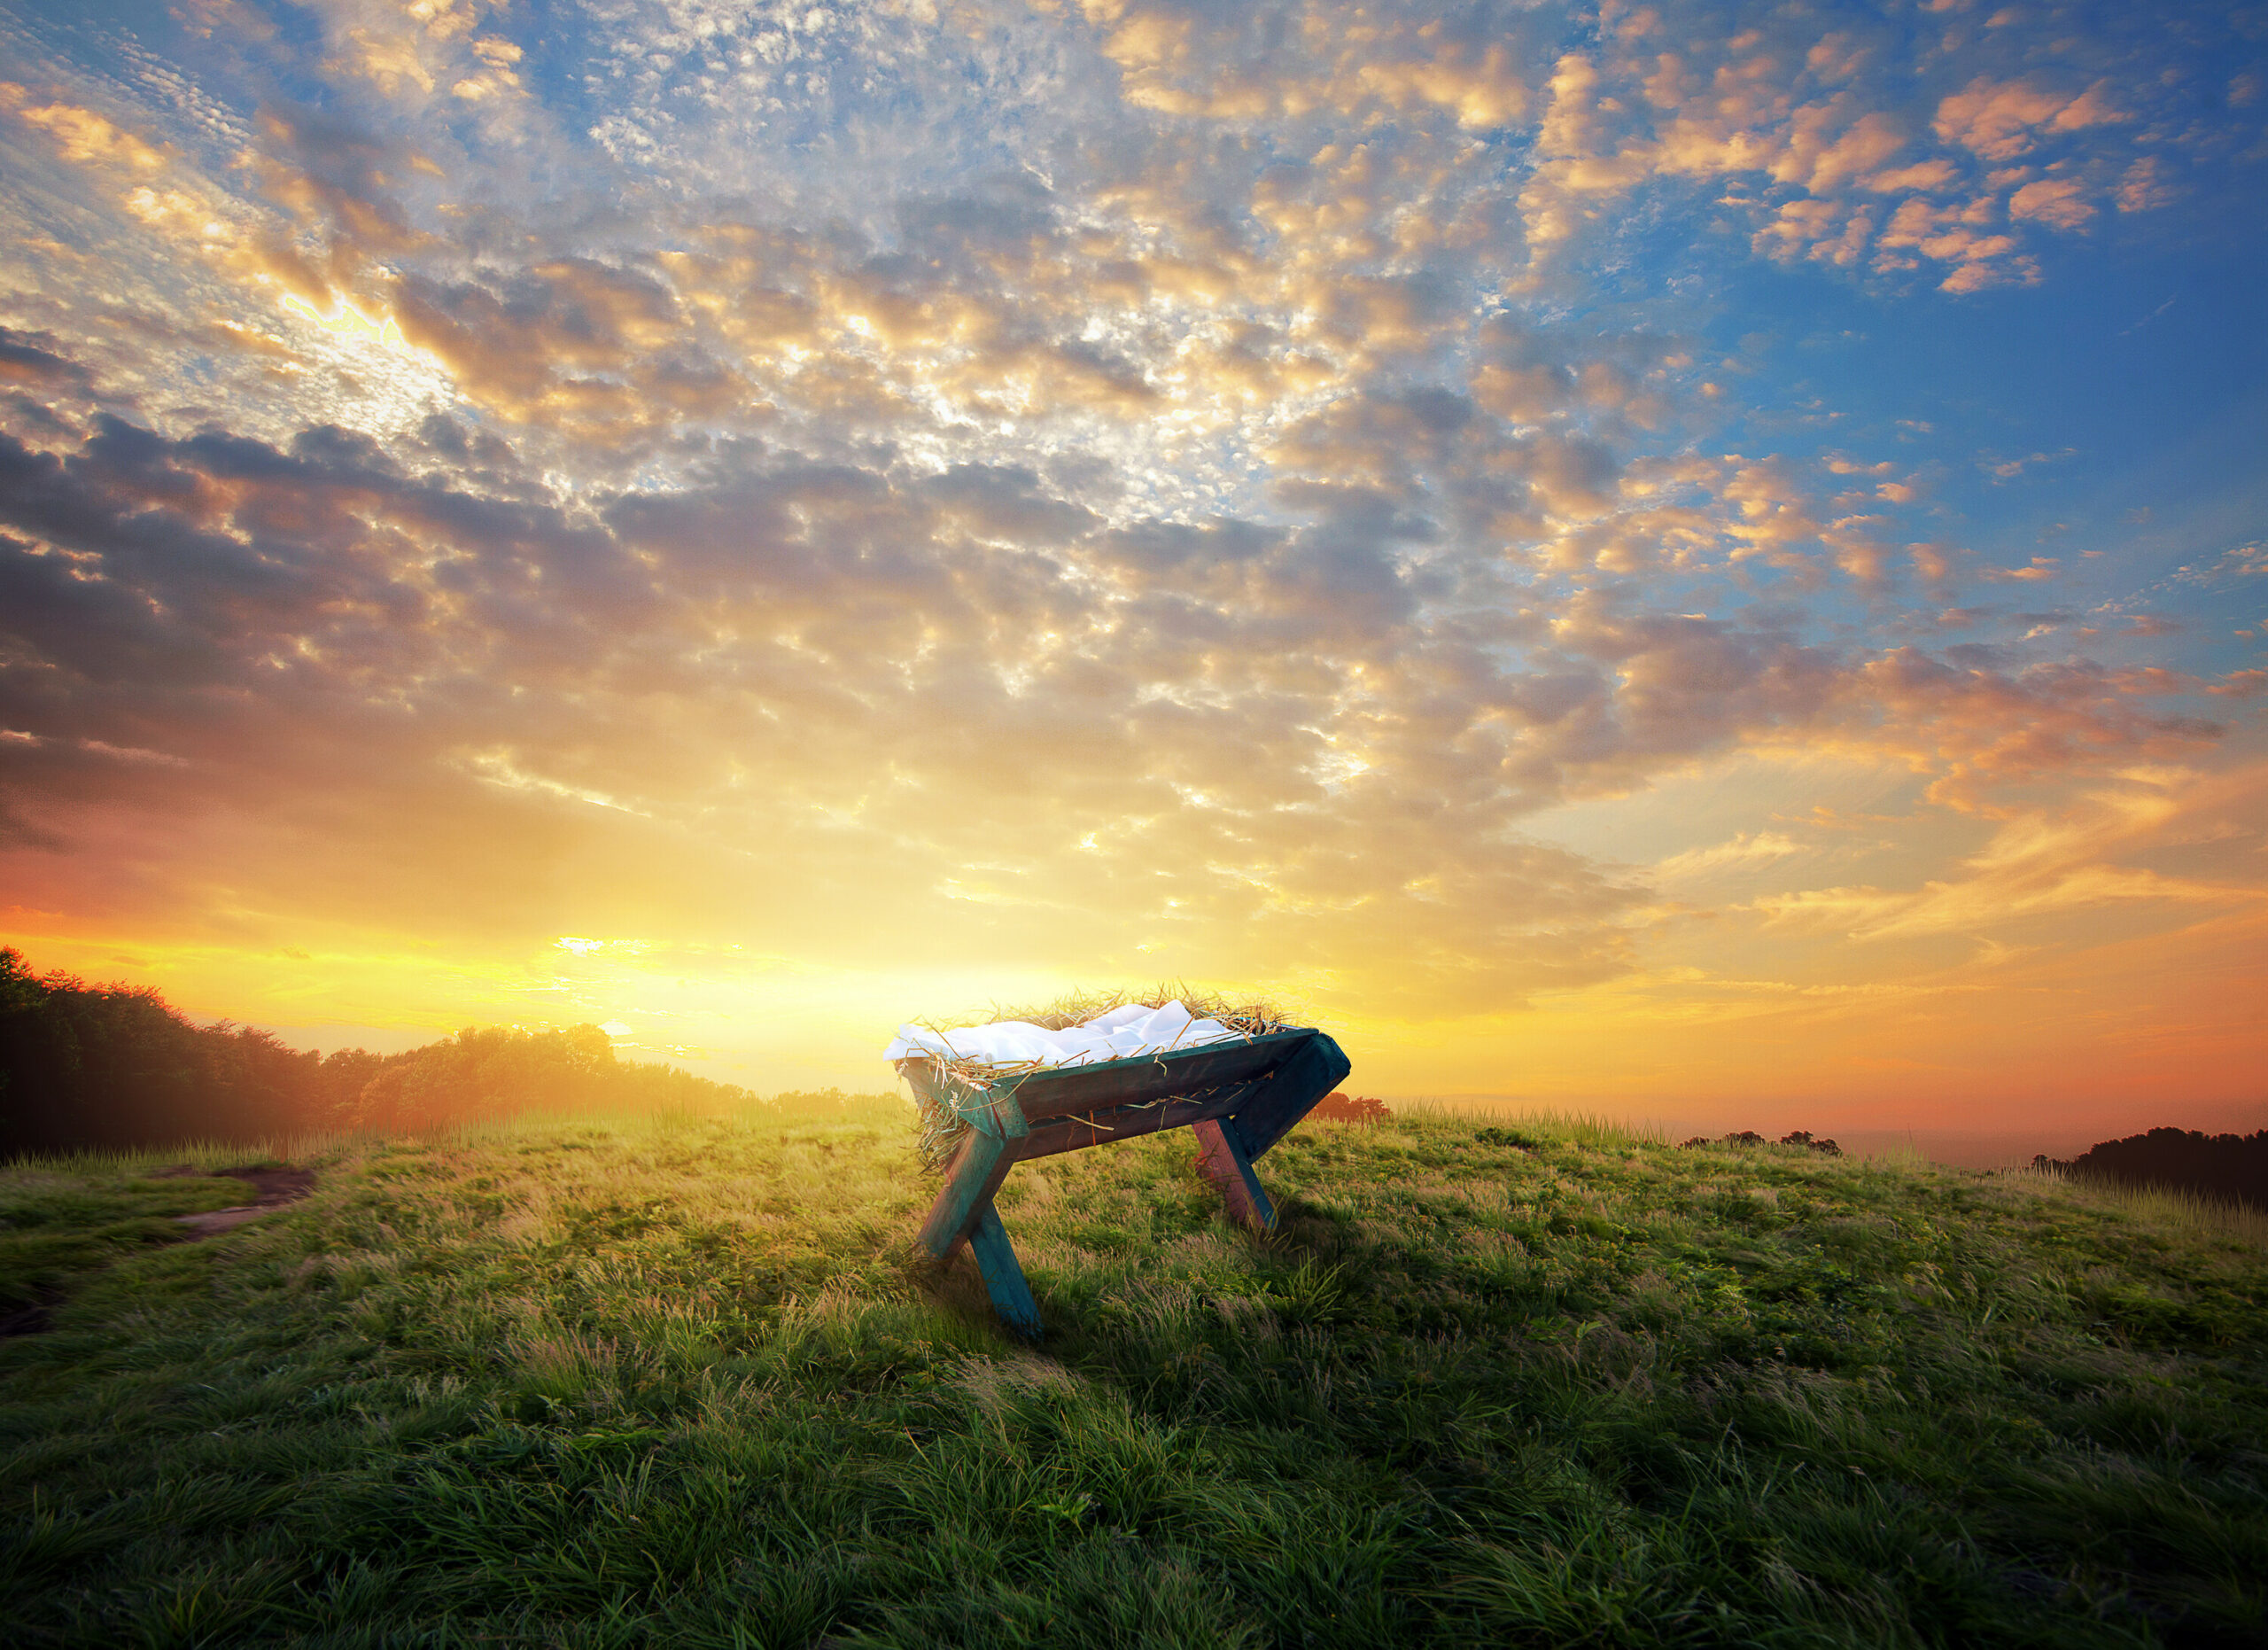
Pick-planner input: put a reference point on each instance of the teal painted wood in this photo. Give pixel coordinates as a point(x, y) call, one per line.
point(1004, 1278)
point(1066, 1090)
point(1126, 1123)
point(992, 1110)
point(1238, 1098)
point(1007, 1115)
point(971, 1179)
point(1311, 1072)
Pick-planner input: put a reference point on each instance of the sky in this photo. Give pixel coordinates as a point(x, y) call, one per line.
point(1694, 561)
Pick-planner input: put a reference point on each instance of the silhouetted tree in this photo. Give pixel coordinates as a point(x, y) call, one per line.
point(482, 1074)
point(117, 1067)
point(2232, 1167)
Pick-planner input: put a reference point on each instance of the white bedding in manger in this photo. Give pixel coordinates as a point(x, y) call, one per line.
point(1120, 1034)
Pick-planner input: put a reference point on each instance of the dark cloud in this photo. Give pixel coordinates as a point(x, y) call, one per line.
point(24, 362)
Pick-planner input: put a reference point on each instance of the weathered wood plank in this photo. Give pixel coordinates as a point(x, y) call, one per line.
point(976, 1173)
point(1222, 1159)
point(1003, 1276)
point(1126, 1123)
point(1313, 1071)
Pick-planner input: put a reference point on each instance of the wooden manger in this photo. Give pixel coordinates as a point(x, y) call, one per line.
point(1238, 1098)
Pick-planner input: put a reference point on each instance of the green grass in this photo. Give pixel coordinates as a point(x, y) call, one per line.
point(1495, 1382)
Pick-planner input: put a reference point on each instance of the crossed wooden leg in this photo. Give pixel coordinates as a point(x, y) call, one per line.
point(1222, 1159)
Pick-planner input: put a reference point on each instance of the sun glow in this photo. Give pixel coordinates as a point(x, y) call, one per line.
point(348, 322)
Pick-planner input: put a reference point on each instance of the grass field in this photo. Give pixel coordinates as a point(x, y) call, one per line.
point(1531, 1382)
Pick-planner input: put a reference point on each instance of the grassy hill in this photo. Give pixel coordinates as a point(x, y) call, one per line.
point(687, 1384)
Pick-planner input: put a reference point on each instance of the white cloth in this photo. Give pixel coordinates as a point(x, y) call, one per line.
point(1121, 1034)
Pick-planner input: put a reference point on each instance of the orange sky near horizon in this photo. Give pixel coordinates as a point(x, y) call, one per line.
point(1688, 560)
point(2024, 994)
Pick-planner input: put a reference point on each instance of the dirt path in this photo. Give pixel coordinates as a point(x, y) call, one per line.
point(275, 1187)
point(272, 1189)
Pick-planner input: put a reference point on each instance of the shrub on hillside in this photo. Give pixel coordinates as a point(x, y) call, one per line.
point(1750, 1137)
point(1342, 1107)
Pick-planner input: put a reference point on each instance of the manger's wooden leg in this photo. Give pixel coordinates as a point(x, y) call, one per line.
point(1004, 1278)
point(1222, 1159)
point(978, 1168)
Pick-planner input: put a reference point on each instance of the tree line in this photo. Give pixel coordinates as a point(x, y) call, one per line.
point(2231, 1167)
point(117, 1067)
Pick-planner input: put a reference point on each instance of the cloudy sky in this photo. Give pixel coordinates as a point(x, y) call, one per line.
point(1703, 559)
